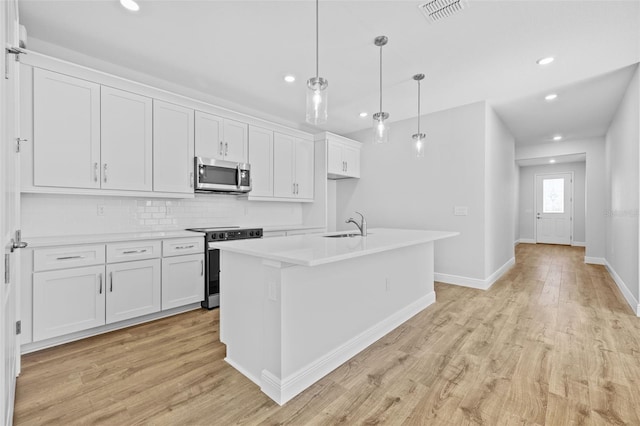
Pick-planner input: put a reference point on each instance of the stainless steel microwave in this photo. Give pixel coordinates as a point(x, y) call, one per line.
point(213, 175)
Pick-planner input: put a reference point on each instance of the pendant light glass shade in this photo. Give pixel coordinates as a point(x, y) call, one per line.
point(380, 119)
point(419, 138)
point(317, 94)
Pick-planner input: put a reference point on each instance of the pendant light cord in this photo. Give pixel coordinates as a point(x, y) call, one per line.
point(317, 42)
point(380, 78)
point(418, 108)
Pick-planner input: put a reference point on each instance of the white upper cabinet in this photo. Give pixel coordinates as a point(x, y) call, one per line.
point(66, 131)
point(343, 156)
point(261, 160)
point(221, 138)
point(172, 148)
point(293, 162)
point(126, 140)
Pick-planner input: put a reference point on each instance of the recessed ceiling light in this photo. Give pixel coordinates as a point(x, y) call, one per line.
point(552, 161)
point(289, 78)
point(551, 97)
point(130, 5)
point(363, 114)
point(545, 61)
point(557, 138)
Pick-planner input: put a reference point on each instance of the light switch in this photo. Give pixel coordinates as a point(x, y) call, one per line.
point(460, 211)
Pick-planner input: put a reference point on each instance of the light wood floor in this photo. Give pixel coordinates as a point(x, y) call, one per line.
point(553, 342)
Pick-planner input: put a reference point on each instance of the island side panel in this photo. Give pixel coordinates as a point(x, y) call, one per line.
point(331, 312)
point(242, 300)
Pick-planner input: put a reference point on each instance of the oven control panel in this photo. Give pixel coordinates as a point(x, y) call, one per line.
point(235, 234)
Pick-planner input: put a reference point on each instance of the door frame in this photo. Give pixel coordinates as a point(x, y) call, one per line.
point(535, 203)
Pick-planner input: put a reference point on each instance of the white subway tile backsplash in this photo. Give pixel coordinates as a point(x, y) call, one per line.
point(53, 214)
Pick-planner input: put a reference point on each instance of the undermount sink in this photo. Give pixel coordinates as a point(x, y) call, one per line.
point(350, 235)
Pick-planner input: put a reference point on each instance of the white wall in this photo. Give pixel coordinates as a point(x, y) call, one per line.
point(595, 186)
point(50, 215)
point(622, 198)
point(500, 186)
point(526, 206)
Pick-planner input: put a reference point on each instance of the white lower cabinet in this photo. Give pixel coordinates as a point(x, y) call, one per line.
point(133, 289)
point(182, 280)
point(77, 288)
point(68, 300)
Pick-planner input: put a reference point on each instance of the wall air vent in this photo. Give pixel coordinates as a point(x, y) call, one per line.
point(436, 10)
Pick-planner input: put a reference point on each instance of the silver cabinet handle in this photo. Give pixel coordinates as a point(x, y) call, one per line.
point(69, 257)
point(104, 172)
point(191, 180)
point(134, 251)
point(184, 247)
point(100, 275)
point(220, 148)
point(346, 166)
point(226, 149)
point(95, 172)
point(201, 268)
point(293, 188)
point(111, 282)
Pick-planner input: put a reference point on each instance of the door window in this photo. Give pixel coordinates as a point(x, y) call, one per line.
point(553, 195)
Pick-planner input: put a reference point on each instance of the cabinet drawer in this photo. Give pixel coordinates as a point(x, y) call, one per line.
point(47, 259)
point(181, 246)
point(138, 250)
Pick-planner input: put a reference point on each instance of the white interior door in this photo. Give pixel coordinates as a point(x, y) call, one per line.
point(9, 208)
point(554, 208)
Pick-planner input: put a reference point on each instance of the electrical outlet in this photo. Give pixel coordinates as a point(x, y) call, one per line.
point(460, 211)
point(387, 284)
point(100, 210)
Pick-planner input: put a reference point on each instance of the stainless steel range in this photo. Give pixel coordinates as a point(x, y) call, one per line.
point(212, 258)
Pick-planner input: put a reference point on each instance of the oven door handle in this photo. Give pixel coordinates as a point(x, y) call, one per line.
point(238, 176)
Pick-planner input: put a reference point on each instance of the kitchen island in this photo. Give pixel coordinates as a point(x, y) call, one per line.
point(292, 309)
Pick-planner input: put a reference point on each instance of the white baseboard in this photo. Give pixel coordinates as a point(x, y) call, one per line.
point(594, 260)
point(282, 390)
point(630, 298)
point(475, 282)
point(579, 244)
point(527, 241)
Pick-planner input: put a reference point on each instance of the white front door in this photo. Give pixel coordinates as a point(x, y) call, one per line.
point(9, 208)
point(554, 207)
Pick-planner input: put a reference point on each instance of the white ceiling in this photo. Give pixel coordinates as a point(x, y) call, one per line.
point(558, 159)
point(239, 51)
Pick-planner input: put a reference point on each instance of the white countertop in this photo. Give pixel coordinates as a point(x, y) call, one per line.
point(62, 240)
point(316, 249)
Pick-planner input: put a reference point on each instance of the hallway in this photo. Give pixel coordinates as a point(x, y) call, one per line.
point(552, 342)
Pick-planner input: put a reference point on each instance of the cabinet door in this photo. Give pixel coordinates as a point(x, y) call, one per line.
point(133, 289)
point(172, 148)
point(126, 140)
point(182, 280)
point(304, 169)
point(283, 146)
point(209, 136)
point(335, 163)
point(351, 157)
point(235, 141)
point(67, 301)
point(66, 131)
point(261, 160)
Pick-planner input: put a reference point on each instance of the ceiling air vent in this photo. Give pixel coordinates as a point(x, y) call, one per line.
point(436, 10)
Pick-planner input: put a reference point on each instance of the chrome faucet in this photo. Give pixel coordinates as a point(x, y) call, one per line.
point(362, 226)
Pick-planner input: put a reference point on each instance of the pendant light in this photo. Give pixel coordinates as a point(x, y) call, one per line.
point(419, 138)
point(317, 94)
point(380, 125)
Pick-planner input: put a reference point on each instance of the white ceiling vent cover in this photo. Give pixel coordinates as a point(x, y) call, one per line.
point(436, 10)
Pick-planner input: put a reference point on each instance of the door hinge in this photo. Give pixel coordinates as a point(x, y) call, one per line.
point(18, 327)
point(18, 142)
point(11, 51)
point(7, 268)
